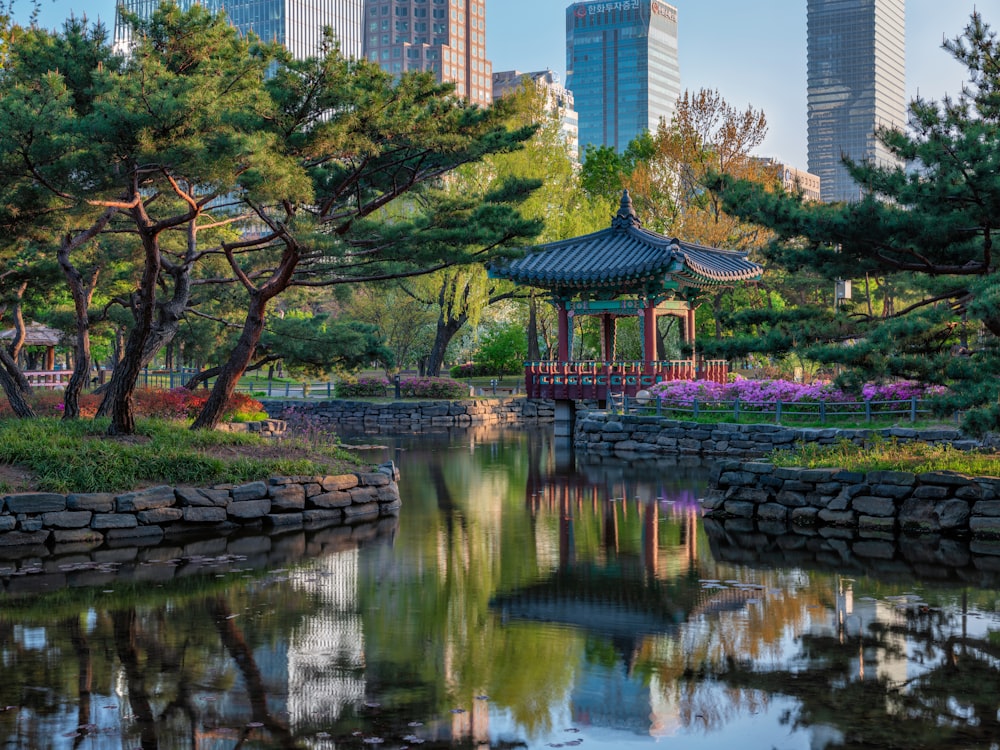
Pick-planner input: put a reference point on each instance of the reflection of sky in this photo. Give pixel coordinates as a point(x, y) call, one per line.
point(764, 729)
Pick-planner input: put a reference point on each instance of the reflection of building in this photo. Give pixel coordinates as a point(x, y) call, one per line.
point(445, 37)
point(326, 656)
point(558, 101)
point(856, 83)
point(296, 24)
point(622, 67)
point(856, 619)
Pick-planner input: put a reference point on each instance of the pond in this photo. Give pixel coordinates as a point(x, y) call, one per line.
point(524, 598)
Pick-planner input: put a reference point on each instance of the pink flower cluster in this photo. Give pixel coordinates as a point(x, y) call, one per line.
point(903, 390)
point(426, 387)
point(769, 392)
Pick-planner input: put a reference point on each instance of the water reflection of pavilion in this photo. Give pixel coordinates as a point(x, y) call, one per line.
point(623, 551)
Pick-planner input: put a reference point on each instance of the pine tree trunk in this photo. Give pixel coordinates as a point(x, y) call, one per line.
point(81, 292)
point(118, 398)
point(17, 341)
point(15, 396)
point(168, 321)
point(231, 372)
point(14, 372)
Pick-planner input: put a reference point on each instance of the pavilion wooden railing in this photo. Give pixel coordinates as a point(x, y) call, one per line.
point(48, 378)
point(595, 380)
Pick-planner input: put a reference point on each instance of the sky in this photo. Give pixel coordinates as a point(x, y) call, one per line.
point(752, 53)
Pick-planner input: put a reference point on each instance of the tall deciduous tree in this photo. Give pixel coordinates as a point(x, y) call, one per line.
point(560, 207)
point(928, 230)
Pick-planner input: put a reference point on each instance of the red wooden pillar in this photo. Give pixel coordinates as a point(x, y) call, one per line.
point(691, 338)
point(563, 332)
point(649, 332)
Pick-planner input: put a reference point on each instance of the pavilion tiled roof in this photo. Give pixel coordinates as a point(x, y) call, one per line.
point(626, 256)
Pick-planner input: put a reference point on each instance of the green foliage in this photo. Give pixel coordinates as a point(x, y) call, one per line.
point(317, 344)
point(502, 350)
point(605, 172)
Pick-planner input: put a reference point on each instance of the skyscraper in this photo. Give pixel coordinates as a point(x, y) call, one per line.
point(621, 65)
point(856, 78)
point(447, 37)
point(297, 24)
point(558, 101)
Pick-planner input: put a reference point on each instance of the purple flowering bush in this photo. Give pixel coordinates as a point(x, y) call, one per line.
point(444, 388)
point(902, 390)
point(363, 388)
point(767, 393)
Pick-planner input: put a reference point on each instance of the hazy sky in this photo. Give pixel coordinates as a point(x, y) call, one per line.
point(753, 53)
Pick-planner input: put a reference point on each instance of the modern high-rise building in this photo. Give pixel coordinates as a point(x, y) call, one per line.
point(297, 24)
point(558, 101)
point(447, 37)
point(622, 67)
point(856, 82)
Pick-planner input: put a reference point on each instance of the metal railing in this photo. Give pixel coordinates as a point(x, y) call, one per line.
point(824, 412)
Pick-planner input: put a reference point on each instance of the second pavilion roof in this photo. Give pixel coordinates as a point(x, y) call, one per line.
point(626, 257)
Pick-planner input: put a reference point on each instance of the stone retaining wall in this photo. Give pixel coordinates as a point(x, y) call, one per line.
point(262, 427)
point(150, 515)
point(882, 501)
point(626, 434)
point(412, 415)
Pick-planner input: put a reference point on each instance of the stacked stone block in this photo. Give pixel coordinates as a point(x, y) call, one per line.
point(412, 415)
point(883, 501)
point(628, 435)
point(148, 515)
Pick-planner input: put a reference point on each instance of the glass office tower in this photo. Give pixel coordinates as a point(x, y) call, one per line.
point(297, 24)
point(446, 37)
point(856, 79)
point(622, 67)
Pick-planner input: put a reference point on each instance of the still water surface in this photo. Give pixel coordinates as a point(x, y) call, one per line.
point(522, 599)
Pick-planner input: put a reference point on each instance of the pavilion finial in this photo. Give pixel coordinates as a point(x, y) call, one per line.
point(626, 216)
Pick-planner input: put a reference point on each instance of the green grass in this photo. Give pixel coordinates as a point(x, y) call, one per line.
point(78, 457)
point(889, 455)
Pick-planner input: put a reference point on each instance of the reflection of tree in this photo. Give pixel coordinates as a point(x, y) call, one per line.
point(432, 643)
point(124, 624)
point(85, 672)
point(952, 702)
point(235, 643)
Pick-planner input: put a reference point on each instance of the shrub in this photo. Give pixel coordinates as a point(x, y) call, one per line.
point(49, 403)
point(444, 388)
point(363, 388)
point(175, 404)
point(769, 392)
point(465, 370)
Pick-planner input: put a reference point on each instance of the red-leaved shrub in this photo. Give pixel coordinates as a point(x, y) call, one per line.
point(176, 403)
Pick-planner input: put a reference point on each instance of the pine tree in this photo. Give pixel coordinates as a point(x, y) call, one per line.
point(922, 234)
